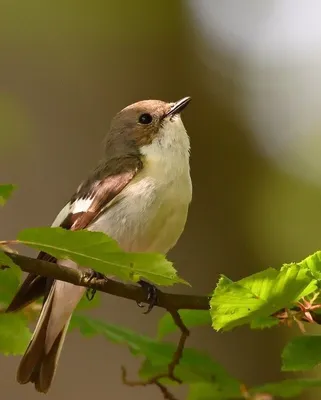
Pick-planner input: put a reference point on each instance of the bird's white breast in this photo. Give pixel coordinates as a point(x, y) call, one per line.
point(149, 215)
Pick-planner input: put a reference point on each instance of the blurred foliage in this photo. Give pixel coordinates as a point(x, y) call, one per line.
point(14, 333)
point(302, 353)
point(5, 193)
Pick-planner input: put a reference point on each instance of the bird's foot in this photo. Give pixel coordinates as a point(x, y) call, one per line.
point(152, 296)
point(91, 276)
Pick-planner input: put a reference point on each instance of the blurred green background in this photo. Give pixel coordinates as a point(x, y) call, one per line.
point(67, 67)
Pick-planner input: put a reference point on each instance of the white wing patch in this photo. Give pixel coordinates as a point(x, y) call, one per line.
point(80, 205)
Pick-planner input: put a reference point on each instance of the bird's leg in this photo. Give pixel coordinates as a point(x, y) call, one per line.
point(151, 295)
point(91, 276)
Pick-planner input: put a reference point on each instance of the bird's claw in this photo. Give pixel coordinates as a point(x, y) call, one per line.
point(91, 276)
point(152, 296)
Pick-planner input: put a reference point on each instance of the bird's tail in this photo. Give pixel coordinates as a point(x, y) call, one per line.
point(39, 363)
point(33, 287)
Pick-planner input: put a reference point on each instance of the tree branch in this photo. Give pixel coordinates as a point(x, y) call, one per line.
point(77, 277)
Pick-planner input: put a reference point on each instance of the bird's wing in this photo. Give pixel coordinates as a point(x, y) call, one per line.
point(91, 198)
point(97, 192)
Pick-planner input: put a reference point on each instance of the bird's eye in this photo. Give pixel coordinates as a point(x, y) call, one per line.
point(145, 119)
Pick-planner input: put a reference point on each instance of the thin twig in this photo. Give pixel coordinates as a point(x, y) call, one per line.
point(166, 393)
point(155, 380)
point(181, 344)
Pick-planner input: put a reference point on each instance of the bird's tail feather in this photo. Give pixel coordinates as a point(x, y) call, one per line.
point(39, 363)
point(33, 287)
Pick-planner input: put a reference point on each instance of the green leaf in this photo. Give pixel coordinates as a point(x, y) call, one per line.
point(288, 388)
point(223, 283)
point(214, 391)
point(14, 334)
point(302, 353)
point(313, 262)
point(193, 367)
point(5, 193)
point(190, 318)
point(259, 295)
point(264, 322)
point(9, 279)
point(102, 253)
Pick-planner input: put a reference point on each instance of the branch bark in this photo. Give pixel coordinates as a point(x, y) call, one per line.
point(77, 277)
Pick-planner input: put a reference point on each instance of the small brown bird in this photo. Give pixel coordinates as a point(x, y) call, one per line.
point(139, 194)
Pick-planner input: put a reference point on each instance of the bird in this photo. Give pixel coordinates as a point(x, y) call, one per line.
point(139, 194)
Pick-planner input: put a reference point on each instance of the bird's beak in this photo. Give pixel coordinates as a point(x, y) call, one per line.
point(178, 106)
